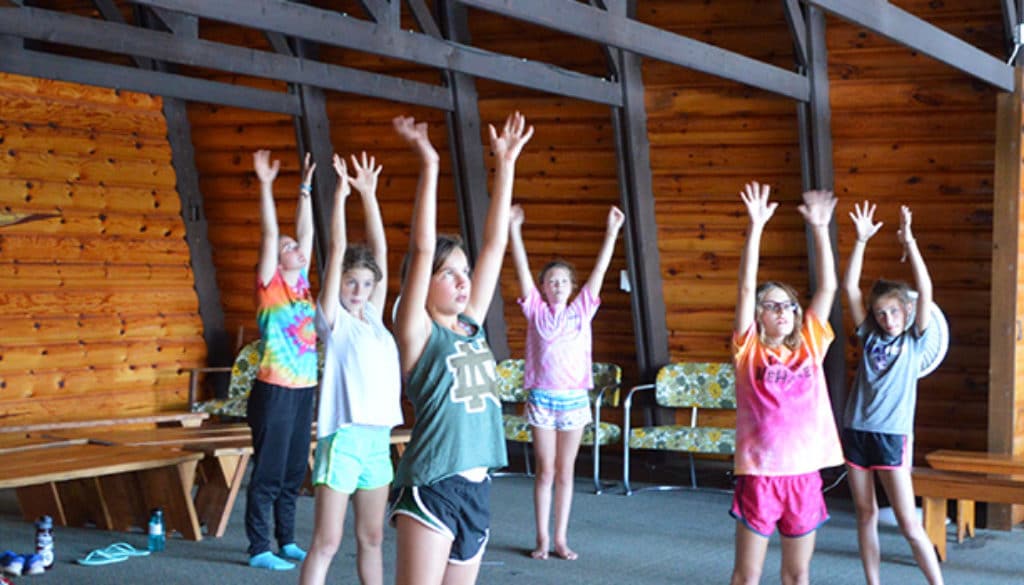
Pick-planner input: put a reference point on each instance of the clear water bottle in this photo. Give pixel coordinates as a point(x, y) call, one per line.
point(157, 539)
point(44, 540)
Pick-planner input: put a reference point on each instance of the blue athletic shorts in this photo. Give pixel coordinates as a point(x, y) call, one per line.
point(455, 507)
point(354, 457)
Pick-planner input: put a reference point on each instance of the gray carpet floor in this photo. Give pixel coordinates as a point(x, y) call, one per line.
point(649, 538)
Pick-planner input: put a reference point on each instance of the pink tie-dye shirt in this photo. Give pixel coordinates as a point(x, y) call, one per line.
point(558, 342)
point(784, 422)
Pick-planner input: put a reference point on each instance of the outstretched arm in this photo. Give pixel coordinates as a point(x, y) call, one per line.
point(365, 181)
point(922, 279)
point(412, 326)
point(864, 220)
point(604, 257)
point(304, 211)
point(515, 229)
point(817, 211)
point(266, 171)
point(331, 288)
point(760, 210)
point(506, 148)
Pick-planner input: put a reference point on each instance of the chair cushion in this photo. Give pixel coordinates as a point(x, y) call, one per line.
point(607, 434)
point(517, 429)
point(705, 385)
point(510, 381)
point(684, 438)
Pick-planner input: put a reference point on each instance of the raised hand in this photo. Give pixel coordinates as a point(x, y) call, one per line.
point(755, 197)
point(516, 217)
point(367, 171)
point(615, 220)
point(818, 207)
point(904, 234)
point(308, 166)
point(343, 190)
point(863, 217)
point(265, 170)
point(416, 135)
point(514, 135)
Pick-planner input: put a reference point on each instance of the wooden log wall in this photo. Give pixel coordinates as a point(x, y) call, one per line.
point(906, 129)
point(98, 311)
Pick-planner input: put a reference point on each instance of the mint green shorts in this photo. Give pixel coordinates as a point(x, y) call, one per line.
point(354, 457)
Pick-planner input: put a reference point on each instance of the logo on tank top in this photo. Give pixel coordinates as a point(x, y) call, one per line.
point(472, 367)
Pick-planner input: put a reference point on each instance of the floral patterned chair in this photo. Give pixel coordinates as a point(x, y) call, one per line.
point(685, 385)
point(243, 374)
point(607, 378)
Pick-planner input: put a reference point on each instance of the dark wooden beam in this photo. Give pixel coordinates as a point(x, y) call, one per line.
point(314, 136)
point(333, 28)
point(383, 12)
point(219, 345)
point(468, 166)
point(47, 66)
point(637, 198)
point(906, 29)
point(424, 19)
point(591, 23)
point(817, 166)
point(797, 27)
point(114, 37)
point(1011, 22)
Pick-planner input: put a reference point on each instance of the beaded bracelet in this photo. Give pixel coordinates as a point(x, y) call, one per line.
point(306, 189)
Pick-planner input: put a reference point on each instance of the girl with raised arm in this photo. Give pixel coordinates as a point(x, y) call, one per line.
point(360, 389)
point(558, 373)
point(280, 408)
point(878, 425)
point(442, 511)
point(785, 432)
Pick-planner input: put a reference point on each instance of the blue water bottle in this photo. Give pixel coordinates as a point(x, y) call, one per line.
point(157, 539)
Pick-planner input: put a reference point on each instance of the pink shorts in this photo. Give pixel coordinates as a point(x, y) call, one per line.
point(793, 503)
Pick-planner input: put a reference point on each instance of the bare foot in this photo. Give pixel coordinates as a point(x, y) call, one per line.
point(541, 553)
point(566, 553)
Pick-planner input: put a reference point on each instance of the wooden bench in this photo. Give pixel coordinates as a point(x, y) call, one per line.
point(112, 487)
point(226, 451)
point(184, 419)
point(936, 487)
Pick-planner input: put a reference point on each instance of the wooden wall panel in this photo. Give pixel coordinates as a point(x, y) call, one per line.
point(913, 131)
point(98, 312)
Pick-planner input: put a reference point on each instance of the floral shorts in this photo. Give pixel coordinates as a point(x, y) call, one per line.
point(561, 410)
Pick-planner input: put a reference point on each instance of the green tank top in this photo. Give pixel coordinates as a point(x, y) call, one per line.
point(458, 414)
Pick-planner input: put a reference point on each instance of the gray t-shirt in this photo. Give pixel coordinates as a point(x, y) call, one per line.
point(884, 393)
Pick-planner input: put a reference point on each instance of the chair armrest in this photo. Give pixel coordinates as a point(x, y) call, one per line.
point(193, 379)
point(599, 398)
point(629, 397)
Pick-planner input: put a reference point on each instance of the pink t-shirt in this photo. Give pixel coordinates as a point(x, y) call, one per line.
point(784, 422)
point(558, 342)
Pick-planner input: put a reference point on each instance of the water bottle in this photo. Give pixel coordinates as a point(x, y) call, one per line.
point(156, 530)
point(44, 540)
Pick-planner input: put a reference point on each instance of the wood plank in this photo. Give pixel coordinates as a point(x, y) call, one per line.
point(85, 461)
point(976, 462)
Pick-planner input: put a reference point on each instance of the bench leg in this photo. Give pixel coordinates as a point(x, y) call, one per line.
point(964, 519)
point(216, 496)
point(39, 500)
point(934, 512)
point(122, 495)
point(170, 488)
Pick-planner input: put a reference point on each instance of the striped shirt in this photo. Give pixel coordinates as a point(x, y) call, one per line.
point(558, 342)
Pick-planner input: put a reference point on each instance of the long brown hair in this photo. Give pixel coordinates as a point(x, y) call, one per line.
point(792, 341)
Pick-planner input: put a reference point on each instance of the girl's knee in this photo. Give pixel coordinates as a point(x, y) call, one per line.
point(372, 538)
point(325, 545)
point(749, 576)
point(796, 576)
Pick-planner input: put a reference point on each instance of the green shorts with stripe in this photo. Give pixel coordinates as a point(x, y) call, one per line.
point(354, 458)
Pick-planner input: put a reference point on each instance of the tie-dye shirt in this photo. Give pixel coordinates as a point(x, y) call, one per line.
point(784, 422)
point(285, 318)
point(558, 342)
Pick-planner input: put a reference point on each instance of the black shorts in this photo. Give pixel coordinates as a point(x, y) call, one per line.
point(455, 507)
point(868, 450)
